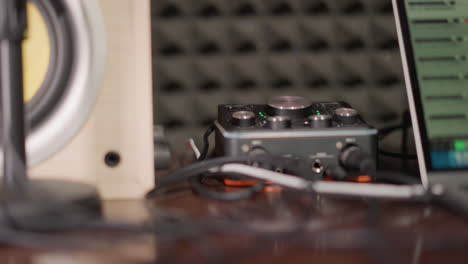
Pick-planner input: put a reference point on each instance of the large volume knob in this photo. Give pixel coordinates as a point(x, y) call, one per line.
point(346, 116)
point(320, 121)
point(279, 122)
point(243, 119)
point(291, 106)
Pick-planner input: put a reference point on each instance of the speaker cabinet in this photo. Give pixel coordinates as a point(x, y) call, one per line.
point(90, 111)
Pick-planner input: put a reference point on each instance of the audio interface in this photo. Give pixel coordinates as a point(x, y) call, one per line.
point(296, 127)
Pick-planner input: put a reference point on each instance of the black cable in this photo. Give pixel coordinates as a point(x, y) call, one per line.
point(184, 174)
point(356, 159)
point(206, 142)
point(208, 192)
point(193, 170)
point(295, 166)
point(386, 131)
point(397, 155)
point(199, 188)
point(404, 139)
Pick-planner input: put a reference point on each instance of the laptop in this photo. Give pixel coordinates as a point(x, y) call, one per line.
point(433, 38)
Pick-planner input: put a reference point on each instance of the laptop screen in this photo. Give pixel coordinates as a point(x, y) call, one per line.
point(435, 33)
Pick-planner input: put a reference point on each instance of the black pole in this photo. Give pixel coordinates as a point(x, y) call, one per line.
point(12, 27)
point(38, 205)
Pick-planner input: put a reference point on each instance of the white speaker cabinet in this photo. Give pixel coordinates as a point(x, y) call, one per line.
point(100, 130)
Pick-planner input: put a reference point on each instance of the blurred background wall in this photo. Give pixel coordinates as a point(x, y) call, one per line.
point(210, 52)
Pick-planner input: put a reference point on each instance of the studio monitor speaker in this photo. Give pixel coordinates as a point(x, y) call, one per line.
point(88, 94)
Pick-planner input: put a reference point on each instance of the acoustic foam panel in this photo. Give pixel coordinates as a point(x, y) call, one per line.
point(210, 52)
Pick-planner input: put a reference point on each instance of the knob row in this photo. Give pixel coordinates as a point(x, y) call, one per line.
point(300, 107)
point(345, 116)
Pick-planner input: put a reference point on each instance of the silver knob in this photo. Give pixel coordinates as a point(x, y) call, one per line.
point(243, 118)
point(279, 122)
point(320, 121)
point(292, 106)
point(346, 116)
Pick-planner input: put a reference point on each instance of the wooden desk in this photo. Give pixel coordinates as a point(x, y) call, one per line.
point(331, 231)
point(406, 233)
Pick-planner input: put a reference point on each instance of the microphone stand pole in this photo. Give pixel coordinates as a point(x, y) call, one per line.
point(12, 28)
point(44, 205)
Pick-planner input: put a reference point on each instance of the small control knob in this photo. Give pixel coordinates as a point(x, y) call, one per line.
point(243, 119)
point(320, 121)
point(279, 122)
point(291, 106)
point(346, 116)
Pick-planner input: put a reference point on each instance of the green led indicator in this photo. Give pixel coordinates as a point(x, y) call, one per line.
point(460, 145)
point(318, 112)
point(262, 115)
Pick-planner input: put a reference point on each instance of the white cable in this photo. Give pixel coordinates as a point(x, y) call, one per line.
point(369, 190)
point(194, 148)
point(267, 175)
point(383, 191)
